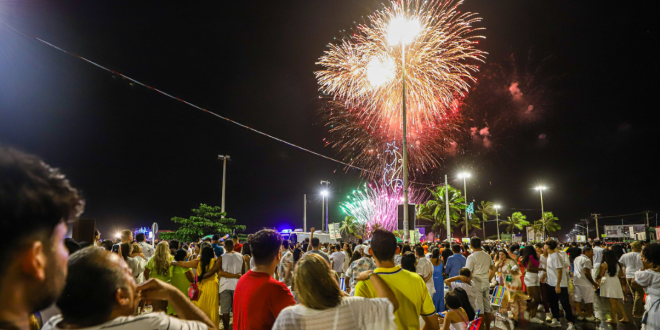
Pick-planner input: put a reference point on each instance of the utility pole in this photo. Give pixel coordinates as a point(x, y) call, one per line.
point(224, 175)
point(596, 218)
point(305, 213)
point(647, 219)
point(587, 222)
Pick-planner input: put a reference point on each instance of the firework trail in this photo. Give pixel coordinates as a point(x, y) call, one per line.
point(362, 77)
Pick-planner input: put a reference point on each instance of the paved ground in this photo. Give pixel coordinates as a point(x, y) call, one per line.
point(602, 305)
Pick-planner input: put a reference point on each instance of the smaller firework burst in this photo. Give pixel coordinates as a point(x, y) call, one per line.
point(374, 203)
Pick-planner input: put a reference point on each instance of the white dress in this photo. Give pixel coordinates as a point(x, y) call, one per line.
point(610, 286)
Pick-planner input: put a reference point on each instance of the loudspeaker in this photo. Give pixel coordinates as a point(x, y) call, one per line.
point(83, 230)
point(411, 216)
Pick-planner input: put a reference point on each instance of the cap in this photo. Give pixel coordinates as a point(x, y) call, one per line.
point(365, 249)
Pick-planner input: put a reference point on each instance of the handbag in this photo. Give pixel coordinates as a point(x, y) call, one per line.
point(193, 291)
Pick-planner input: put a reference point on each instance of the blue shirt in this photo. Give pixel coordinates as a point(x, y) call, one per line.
point(217, 249)
point(454, 263)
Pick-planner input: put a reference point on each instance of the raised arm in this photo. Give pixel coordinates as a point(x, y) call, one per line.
point(461, 278)
point(186, 264)
point(309, 246)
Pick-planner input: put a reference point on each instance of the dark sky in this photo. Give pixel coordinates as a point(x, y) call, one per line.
point(140, 157)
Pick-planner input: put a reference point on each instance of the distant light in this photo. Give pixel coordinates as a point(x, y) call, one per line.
point(496, 206)
point(464, 175)
point(541, 188)
point(324, 193)
point(118, 235)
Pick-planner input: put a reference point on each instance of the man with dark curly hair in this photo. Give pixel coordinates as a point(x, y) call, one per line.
point(36, 201)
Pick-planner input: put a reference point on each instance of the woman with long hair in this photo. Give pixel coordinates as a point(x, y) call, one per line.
point(322, 304)
point(247, 256)
point(456, 318)
point(530, 260)
point(438, 281)
point(208, 285)
point(347, 258)
point(610, 286)
point(159, 267)
point(509, 273)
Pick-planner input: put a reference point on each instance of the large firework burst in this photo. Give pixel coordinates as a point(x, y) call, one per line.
point(362, 75)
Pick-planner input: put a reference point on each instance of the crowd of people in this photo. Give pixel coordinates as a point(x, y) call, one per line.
point(270, 283)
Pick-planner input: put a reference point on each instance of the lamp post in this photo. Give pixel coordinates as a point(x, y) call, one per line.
point(403, 31)
point(540, 189)
point(464, 176)
point(497, 220)
point(224, 176)
point(324, 206)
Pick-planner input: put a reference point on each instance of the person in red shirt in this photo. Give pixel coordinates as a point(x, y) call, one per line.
point(259, 297)
point(237, 246)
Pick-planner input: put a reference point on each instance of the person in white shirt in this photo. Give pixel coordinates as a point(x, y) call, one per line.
point(324, 306)
point(232, 265)
point(632, 261)
point(558, 282)
point(483, 268)
point(597, 259)
point(425, 269)
point(147, 249)
point(584, 285)
point(100, 293)
point(337, 260)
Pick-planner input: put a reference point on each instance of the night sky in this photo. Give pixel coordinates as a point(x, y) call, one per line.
point(140, 157)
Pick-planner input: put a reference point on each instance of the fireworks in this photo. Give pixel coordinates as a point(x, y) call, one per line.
point(373, 203)
point(362, 75)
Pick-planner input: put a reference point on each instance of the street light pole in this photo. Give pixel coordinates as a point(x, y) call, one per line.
point(406, 218)
point(540, 189)
point(464, 176)
point(224, 176)
point(497, 220)
point(324, 206)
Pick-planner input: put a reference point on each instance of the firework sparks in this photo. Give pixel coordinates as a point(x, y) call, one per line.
point(373, 203)
point(362, 75)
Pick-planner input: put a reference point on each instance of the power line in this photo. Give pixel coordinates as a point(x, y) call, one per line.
point(179, 99)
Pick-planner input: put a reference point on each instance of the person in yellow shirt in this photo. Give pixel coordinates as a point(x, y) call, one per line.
point(409, 288)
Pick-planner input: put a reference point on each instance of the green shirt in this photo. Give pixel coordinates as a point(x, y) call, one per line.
point(151, 265)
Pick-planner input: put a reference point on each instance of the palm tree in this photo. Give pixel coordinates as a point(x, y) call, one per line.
point(486, 209)
point(435, 208)
point(547, 224)
point(516, 220)
point(472, 223)
point(349, 226)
